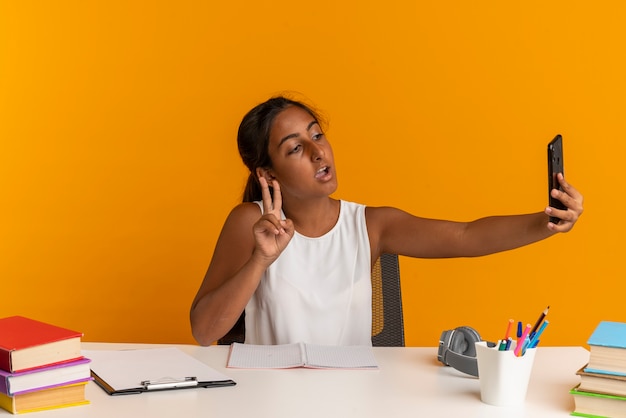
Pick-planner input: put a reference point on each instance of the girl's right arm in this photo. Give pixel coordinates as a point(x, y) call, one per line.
point(247, 245)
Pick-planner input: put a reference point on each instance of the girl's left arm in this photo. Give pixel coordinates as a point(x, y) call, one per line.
point(395, 231)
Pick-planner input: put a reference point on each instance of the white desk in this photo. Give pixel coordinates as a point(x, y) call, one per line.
point(410, 382)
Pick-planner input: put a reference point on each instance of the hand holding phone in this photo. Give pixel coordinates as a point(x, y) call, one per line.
point(555, 166)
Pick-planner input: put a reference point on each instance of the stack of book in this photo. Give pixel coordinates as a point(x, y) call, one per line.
point(41, 366)
point(602, 388)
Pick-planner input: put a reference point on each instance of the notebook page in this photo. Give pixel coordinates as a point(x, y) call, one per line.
point(340, 357)
point(252, 356)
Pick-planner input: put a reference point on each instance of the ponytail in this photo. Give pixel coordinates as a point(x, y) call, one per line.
point(252, 192)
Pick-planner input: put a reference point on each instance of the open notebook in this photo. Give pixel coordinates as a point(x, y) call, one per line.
point(251, 356)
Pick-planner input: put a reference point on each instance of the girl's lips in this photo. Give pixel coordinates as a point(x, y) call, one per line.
point(323, 173)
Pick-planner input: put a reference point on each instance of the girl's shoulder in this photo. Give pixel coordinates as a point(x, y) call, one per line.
point(379, 218)
point(246, 211)
point(380, 211)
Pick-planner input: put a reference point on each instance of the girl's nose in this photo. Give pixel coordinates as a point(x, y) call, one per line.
point(317, 152)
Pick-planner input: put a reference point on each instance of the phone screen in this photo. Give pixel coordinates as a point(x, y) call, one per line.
point(555, 166)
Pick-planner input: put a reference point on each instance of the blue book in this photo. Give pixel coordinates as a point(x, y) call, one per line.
point(609, 334)
point(607, 372)
point(607, 349)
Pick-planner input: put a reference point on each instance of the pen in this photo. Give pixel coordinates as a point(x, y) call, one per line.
point(535, 338)
point(502, 345)
point(520, 342)
point(519, 329)
point(526, 344)
point(508, 344)
point(541, 317)
point(508, 329)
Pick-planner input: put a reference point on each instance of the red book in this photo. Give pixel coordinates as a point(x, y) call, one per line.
point(26, 344)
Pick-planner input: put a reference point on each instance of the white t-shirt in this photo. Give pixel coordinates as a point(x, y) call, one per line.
point(319, 290)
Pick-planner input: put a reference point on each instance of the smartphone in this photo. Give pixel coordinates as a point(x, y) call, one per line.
point(555, 166)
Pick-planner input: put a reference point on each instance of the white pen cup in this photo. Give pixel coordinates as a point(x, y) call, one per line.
point(503, 376)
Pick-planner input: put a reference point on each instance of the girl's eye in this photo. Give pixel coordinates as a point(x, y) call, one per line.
point(317, 137)
point(295, 149)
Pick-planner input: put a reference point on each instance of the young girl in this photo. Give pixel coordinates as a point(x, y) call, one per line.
point(299, 262)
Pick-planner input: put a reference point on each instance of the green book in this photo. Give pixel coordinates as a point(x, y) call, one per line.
point(599, 405)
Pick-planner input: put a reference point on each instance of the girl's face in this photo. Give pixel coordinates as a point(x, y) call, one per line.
point(302, 158)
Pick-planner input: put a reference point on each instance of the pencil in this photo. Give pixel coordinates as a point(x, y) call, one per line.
point(543, 315)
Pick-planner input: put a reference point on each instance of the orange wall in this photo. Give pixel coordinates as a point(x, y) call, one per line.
point(118, 161)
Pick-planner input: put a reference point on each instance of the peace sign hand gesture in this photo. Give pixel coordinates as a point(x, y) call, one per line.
point(271, 233)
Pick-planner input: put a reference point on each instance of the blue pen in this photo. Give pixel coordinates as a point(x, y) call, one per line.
point(519, 329)
point(535, 339)
point(525, 345)
point(508, 344)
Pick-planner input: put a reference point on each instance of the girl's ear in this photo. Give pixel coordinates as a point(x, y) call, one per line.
point(266, 173)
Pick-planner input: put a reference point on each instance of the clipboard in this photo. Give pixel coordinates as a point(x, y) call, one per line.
point(126, 372)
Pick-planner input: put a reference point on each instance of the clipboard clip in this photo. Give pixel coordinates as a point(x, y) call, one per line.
point(169, 383)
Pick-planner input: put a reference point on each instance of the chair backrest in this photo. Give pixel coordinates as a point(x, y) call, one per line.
point(387, 316)
point(237, 333)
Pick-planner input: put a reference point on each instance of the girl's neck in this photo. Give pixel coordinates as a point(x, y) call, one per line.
point(313, 218)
